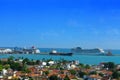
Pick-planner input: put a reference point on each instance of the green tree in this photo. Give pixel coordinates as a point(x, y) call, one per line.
point(109, 65)
point(92, 73)
point(116, 75)
point(53, 67)
point(53, 77)
point(16, 66)
point(7, 66)
point(58, 66)
point(38, 62)
point(11, 58)
point(66, 78)
point(0, 62)
point(101, 74)
point(24, 68)
point(26, 60)
point(1, 67)
point(73, 72)
point(26, 71)
point(81, 65)
point(87, 66)
point(46, 72)
point(81, 74)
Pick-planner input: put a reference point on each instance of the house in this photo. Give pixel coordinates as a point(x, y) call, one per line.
point(94, 77)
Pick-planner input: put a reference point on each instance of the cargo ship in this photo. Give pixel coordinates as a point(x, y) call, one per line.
point(54, 52)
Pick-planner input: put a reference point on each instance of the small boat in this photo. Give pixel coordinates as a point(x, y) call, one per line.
point(54, 52)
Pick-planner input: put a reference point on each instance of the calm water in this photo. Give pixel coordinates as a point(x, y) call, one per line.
point(82, 58)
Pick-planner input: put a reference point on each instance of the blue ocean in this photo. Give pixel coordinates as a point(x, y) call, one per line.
point(85, 59)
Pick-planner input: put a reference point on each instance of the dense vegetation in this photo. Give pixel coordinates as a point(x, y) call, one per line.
point(22, 65)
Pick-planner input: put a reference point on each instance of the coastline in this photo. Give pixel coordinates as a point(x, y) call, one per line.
point(81, 58)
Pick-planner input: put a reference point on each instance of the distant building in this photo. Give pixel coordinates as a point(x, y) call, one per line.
point(2, 50)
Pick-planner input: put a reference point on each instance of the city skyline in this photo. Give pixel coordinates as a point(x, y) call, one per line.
point(60, 23)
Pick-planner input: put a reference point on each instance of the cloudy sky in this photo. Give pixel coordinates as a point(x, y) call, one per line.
point(60, 23)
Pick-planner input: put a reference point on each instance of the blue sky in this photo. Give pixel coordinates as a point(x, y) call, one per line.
point(60, 23)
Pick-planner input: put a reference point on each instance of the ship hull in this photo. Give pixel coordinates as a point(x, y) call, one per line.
point(62, 54)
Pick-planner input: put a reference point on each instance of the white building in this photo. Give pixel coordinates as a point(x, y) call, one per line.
point(5, 50)
point(37, 51)
point(4, 71)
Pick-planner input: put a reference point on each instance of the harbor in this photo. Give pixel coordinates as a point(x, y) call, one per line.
point(57, 51)
point(87, 59)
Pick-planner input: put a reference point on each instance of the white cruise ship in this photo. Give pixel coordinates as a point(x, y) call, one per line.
point(96, 51)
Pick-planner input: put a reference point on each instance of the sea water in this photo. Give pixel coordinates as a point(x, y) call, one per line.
point(85, 59)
